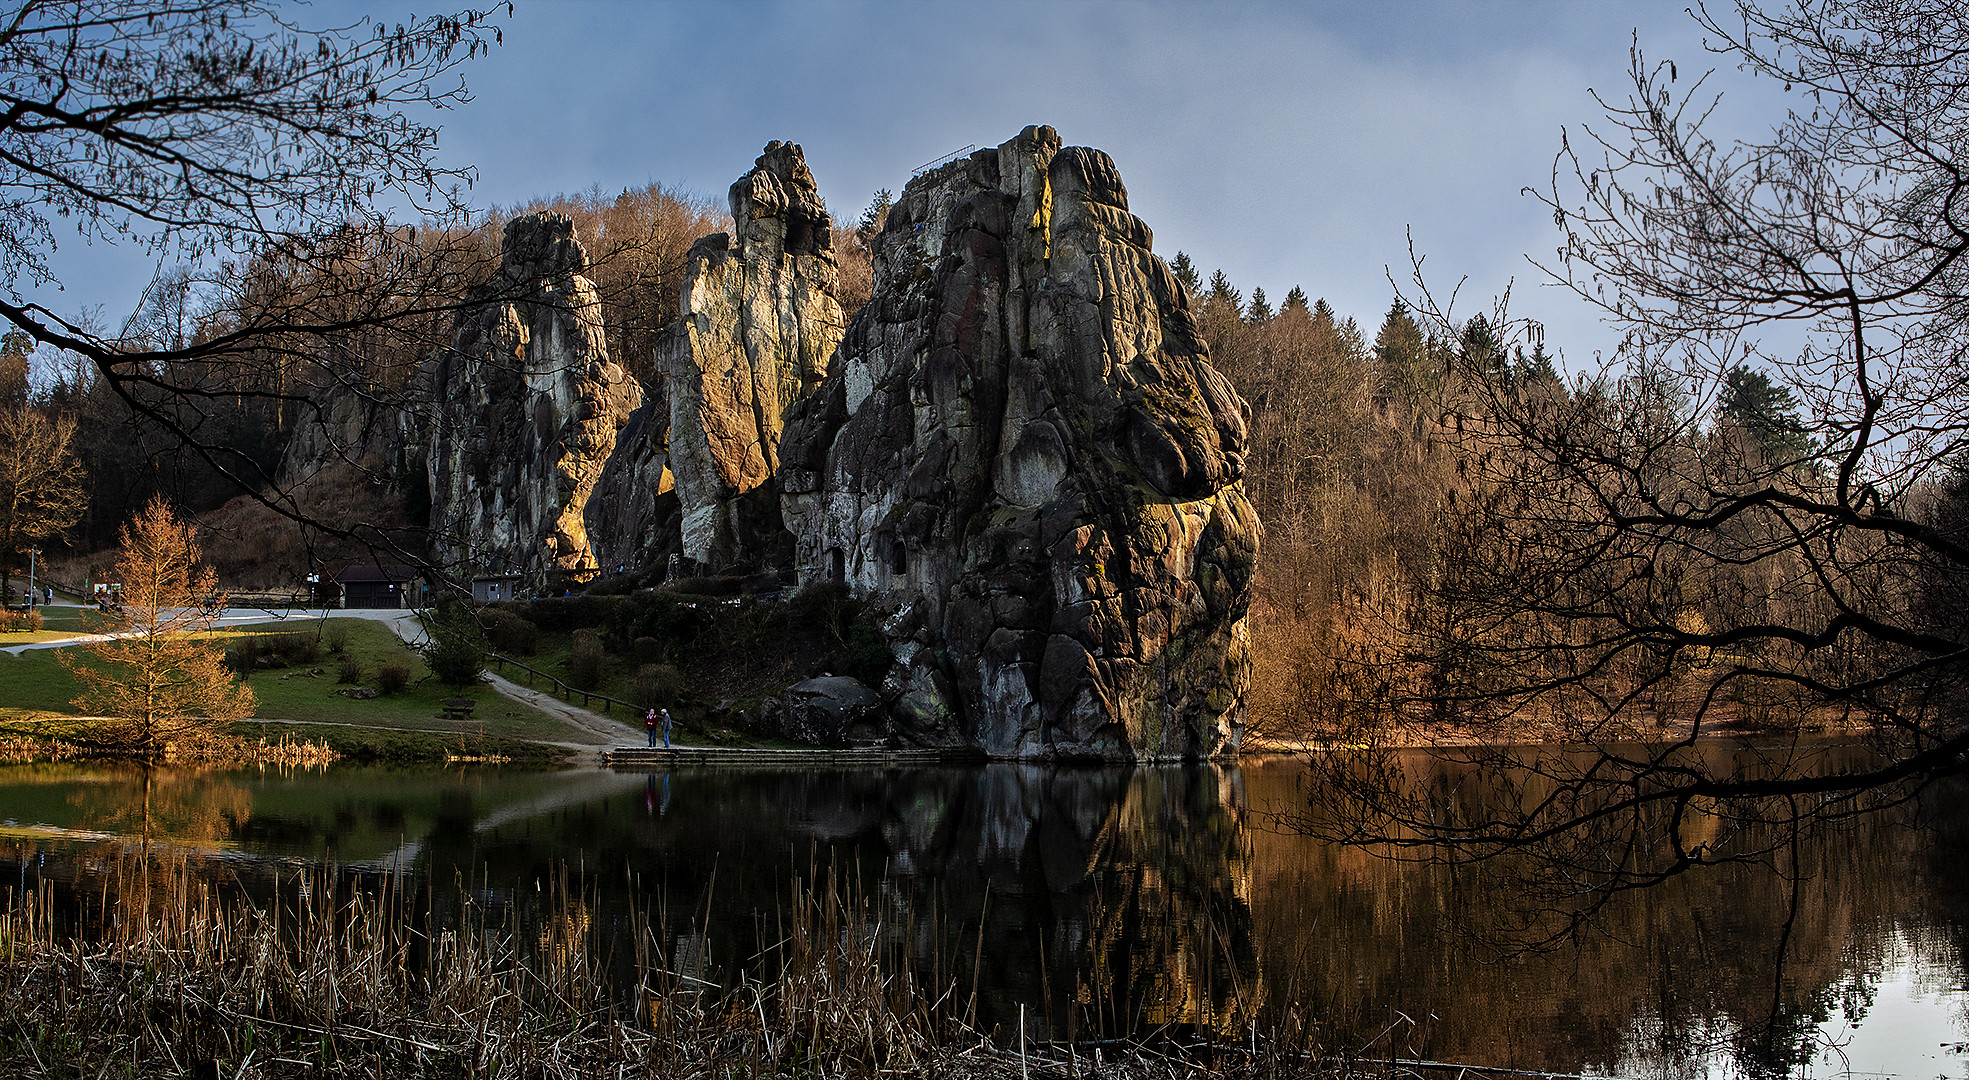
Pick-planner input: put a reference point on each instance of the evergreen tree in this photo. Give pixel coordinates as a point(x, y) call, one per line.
point(1185, 272)
point(1260, 311)
point(1767, 411)
point(1483, 353)
point(873, 218)
point(15, 349)
point(1352, 343)
point(1539, 370)
point(1403, 357)
point(1323, 315)
point(1295, 301)
point(1220, 289)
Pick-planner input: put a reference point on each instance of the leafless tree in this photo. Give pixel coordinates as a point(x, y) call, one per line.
point(263, 157)
point(1626, 576)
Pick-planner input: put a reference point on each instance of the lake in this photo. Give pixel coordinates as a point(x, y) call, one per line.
point(1103, 903)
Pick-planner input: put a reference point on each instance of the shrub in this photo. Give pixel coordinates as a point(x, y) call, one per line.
point(244, 655)
point(456, 649)
point(261, 651)
point(349, 670)
point(336, 634)
point(585, 660)
point(726, 585)
point(657, 684)
point(20, 620)
point(291, 650)
point(570, 612)
point(614, 585)
point(868, 652)
point(392, 676)
point(648, 650)
point(509, 633)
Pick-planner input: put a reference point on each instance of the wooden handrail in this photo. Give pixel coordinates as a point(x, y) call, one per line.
point(566, 690)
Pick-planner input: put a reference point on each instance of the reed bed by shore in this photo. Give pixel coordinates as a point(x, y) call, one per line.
point(163, 973)
point(19, 749)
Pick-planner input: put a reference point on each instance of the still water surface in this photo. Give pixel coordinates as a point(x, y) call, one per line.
point(1108, 902)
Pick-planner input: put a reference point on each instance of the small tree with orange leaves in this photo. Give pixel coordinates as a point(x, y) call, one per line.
point(165, 689)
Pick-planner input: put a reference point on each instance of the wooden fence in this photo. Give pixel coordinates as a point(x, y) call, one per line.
point(565, 691)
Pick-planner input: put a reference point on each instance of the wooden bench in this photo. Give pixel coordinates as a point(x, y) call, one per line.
point(458, 708)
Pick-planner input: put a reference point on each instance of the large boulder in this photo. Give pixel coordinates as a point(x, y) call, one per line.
point(527, 408)
point(759, 322)
point(1022, 455)
point(828, 711)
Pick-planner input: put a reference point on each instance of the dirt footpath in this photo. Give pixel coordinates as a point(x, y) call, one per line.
point(594, 729)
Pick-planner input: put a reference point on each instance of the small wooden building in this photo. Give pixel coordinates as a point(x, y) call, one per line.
point(496, 588)
point(374, 585)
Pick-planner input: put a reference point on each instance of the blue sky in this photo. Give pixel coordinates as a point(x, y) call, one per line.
point(1285, 143)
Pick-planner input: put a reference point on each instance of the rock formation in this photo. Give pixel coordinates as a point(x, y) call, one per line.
point(1022, 454)
point(528, 405)
point(369, 436)
point(632, 515)
point(759, 323)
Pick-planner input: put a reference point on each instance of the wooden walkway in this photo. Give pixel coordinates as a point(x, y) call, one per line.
point(645, 758)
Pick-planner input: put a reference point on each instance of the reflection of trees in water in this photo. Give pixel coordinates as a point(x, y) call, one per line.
point(1111, 901)
point(1657, 981)
point(179, 805)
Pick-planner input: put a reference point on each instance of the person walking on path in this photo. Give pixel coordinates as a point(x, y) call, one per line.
point(649, 725)
point(666, 729)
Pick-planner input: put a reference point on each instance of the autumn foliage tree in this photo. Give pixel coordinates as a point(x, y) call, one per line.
point(164, 688)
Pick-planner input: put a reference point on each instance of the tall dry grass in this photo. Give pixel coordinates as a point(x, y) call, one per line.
point(153, 968)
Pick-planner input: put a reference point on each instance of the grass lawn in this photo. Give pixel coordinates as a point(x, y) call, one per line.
point(34, 685)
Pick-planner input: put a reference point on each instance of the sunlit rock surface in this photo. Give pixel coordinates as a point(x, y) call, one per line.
point(759, 323)
point(1022, 454)
point(528, 405)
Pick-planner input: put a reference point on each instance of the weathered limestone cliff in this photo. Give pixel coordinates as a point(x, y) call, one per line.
point(1023, 455)
point(528, 405)
point(759, 323)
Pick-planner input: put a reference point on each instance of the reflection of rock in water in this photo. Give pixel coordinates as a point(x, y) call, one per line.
point(1115, 899)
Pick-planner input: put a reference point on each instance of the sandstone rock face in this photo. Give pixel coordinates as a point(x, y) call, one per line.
point(350, 431)
point(759, 323)
point(632, 515)
point(1022, 454)
point(527, 409)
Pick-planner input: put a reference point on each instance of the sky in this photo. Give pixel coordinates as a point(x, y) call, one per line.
point(1287, 144)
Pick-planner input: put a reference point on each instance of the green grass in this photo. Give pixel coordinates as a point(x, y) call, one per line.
point(35, 685)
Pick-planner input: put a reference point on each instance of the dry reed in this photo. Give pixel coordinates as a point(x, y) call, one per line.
point(156, 970)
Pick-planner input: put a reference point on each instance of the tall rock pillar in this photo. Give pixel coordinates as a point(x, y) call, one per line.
point(528, 406)
point(760, 320)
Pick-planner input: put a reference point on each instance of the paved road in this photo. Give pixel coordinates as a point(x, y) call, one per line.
point(402, 621)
